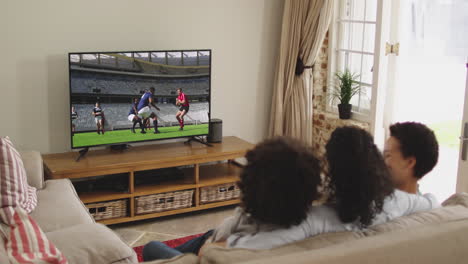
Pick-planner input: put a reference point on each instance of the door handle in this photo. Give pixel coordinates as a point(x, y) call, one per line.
point(464, 142)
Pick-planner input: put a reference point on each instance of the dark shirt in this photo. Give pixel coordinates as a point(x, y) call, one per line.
point(97, 111)
point(144, 101)
point(132, 110)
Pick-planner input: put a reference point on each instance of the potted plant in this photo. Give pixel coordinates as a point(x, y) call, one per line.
point(346, 86)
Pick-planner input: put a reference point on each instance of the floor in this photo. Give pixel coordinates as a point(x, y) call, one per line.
point(171, 227)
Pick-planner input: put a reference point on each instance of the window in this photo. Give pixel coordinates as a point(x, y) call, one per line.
point(75, 58)
point(158, 57)
point(204, 57)
point(352, 46)
point(174, 58)
point(105, 59)
point(142, 56)
point(89, 58)
point(190, 58)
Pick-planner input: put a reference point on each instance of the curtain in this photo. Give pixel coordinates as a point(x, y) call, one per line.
point(305, 24)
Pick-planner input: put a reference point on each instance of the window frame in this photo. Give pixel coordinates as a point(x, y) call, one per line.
point(335, 34)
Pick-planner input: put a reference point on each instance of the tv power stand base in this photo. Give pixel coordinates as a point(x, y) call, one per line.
point(82, 154)
point(120, 147)
point(199, 140)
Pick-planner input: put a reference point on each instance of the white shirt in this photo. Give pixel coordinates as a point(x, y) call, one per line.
point(323, 219)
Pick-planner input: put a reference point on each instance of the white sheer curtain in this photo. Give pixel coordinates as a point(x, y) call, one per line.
point(305, 24)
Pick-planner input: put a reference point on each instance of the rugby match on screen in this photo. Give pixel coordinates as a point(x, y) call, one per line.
point(138, 96)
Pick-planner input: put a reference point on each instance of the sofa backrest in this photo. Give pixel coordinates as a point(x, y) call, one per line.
point(188, 258)
point(436, 243)
point(436, 216)
point(33, 164)
point(454, 210)
point(216, 254)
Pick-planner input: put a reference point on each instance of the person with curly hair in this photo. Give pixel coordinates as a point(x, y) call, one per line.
point(361, 188)
point(278, 185)
point(358, 179)
point(361, 193)
point(410, 153)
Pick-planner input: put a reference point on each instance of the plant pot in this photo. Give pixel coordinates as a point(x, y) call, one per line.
point(344, 111)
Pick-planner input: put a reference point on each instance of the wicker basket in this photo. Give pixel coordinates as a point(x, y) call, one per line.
point(163, 201)
point(107, 210)
point(222, 192)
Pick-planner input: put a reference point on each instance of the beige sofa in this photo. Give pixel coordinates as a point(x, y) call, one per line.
point(436, 236)
point(66, 222)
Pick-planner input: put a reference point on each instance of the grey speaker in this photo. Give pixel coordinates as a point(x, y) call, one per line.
point(216, 131)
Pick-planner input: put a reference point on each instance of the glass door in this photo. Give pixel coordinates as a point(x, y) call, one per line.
point(462, 179)
point(426, 78)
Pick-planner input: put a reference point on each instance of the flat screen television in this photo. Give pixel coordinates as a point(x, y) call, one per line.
point(135, 96)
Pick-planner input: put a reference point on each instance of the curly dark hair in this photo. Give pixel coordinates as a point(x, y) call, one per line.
point(279, 182)
point(358, 179)
point(418, 141)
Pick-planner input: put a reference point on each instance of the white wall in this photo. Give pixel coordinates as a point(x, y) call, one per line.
point(35, 37)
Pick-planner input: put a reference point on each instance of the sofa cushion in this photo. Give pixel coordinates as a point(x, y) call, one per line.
point(3, 253)
point(435, 216)
point(181, 259)
point(92, 243)
point(33, 164)
point(215, 254)
point(59, 206)
point(24, 240)
point(437, 243)
point(14, 188)
point(457, 199)
point(455, 208)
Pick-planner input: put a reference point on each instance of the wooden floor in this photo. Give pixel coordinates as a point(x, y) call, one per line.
point(171, 227)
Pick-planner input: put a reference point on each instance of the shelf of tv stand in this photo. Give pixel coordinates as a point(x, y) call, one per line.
point(218, 174)
point(201, 172)
point(102, 196)
point(210, 175)
point(167, 213)
point(163, 188)
point(184, 183)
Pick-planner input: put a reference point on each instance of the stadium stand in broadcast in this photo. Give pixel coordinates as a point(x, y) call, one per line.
point(88, 82)
point(166, 66)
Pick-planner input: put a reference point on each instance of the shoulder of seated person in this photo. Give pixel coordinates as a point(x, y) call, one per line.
point(433, 199)
point(429, 196)
point(321, 211)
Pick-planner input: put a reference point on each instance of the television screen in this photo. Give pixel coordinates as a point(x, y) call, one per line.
point(124, 97)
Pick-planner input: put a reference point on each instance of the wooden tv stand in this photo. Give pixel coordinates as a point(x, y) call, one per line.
point(199, 174)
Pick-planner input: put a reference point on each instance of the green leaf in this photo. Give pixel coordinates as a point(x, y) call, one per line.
point(346, 86)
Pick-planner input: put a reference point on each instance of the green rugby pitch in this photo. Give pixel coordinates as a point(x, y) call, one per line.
point(122, 136)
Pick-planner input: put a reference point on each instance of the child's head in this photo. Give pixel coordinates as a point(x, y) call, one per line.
point(357, 176)
point(280, 181)
point(410, 152)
